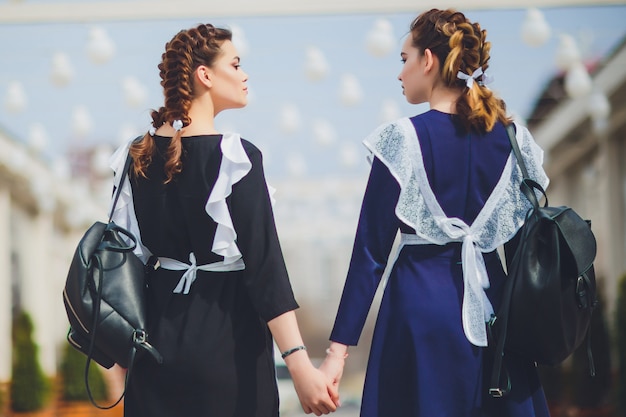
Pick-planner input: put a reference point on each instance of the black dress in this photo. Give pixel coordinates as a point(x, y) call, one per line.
point(217, 348)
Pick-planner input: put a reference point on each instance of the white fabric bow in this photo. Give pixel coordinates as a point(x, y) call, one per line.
point(477, 308)
point(469, 79)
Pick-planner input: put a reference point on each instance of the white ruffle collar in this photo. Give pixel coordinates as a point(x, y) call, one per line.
point(235, 165)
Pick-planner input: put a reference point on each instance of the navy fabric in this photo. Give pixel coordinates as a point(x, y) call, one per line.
point(421, 363)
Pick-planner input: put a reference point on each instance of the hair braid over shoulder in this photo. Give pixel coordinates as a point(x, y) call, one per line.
point(184, 53)
point(461, 46)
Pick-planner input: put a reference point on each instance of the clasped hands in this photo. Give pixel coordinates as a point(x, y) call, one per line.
point(318, 389)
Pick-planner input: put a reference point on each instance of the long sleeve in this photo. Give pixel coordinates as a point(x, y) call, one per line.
point(265, 272)
point(375, 234)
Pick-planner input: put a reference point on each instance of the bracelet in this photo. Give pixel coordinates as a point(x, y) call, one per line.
point(331, 353)
point(292, 350)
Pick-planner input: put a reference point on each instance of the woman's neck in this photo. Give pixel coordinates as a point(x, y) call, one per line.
point(444, 99)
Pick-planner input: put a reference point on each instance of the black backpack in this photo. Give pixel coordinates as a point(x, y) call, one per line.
point(550, 291)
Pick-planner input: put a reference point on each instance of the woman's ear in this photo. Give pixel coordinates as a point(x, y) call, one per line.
point(430, 60)
point(204, 76)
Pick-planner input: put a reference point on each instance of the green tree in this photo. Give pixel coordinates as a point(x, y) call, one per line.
point(73, 376)
point(29, 386)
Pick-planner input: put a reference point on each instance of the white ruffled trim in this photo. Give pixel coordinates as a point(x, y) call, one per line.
point(235, 165)
point(397, 146)
point(124, 214)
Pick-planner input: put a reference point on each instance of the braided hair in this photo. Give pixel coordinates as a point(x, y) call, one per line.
point(461, 46)
point(184, 53)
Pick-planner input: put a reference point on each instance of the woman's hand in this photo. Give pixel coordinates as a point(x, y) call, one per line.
point(315, 390)
point(333, 365)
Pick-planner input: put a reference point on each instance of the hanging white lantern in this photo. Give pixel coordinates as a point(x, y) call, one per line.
point(567, 54)
point(535, 28)
point(577, 81)
point(289, 119)
point(380, 40)
point(389, 111)
point(599, 108)
point(350, 92)
point(134, 92)
point(315, 66)
point(324, 132)
point(62, 71)
point(100, 47)
point(15, 100)
point(81, 121)
point(37, 137)
point(239, 40)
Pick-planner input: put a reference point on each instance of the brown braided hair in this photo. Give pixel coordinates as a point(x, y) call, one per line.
point(461, 45)
point(183, 54)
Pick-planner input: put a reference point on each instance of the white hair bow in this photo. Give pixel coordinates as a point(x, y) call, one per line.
point(469, 79)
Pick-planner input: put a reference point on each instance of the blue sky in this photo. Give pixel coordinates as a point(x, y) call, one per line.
point(275, 62)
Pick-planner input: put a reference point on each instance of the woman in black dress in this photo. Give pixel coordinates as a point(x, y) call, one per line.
point(198, 201)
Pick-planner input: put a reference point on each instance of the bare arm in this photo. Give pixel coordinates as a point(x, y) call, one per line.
point(315, 391)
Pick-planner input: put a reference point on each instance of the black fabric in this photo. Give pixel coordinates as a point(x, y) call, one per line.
point(217, 349)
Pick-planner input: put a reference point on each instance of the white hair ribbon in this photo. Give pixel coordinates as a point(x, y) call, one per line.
point(469, 79)
point(152, 131)
point(177, 124)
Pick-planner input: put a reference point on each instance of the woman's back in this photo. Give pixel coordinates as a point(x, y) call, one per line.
point(462, 167)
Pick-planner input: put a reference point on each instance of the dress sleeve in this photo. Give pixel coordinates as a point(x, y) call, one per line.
point(265, 273)
point(376, 231)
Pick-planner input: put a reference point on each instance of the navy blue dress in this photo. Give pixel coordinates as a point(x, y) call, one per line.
point(421, 363)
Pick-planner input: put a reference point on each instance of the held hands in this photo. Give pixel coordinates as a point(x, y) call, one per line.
point(333, 365)
point(316, 392)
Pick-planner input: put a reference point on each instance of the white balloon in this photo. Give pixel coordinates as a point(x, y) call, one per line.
point(567, 54)
point(535, 29)
point(134, 92)
point(37, 137)
point(100, 47)
point(15, 100)
point(62, 71)
point(349, 155)
point(290, 118)
point(350, 92)
point(81, 121)
point(380, 40)
point(324, 132)
point(316, 66)
point(389, 111)
point(577, 81)
point(599, 106)
point(239, 40)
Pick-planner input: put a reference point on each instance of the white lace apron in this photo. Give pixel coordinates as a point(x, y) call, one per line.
point(397, 146)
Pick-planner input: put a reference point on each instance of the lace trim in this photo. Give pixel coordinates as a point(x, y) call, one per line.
point(397, 146)
point(235, 165)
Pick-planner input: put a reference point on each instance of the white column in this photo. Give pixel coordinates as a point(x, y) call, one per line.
point(5, 286)
point(37, 285)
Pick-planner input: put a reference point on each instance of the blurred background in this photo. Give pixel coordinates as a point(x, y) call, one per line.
point(79, 78)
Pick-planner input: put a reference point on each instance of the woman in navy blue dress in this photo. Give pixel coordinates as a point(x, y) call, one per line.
point(447, 182)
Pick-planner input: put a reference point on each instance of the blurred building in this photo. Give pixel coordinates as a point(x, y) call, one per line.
point(585, 148)
point(43, 213)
